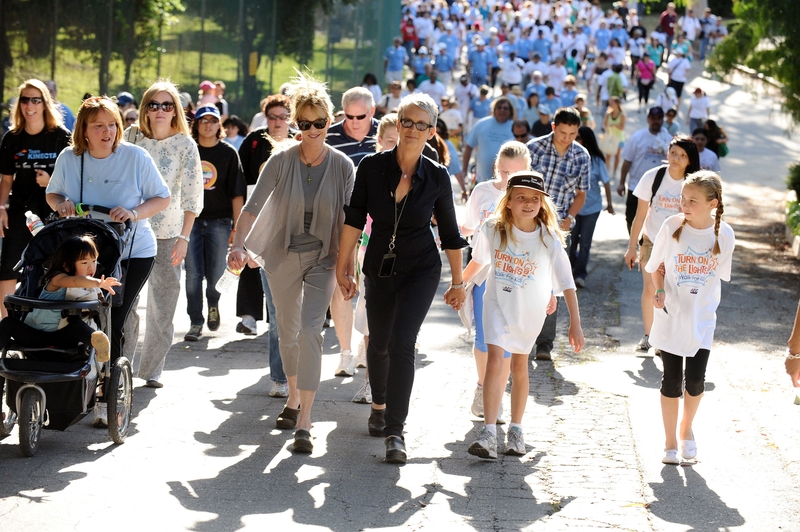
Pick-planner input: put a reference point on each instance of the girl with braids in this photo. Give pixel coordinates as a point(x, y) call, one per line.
point(696, 250)
point(658, 193)
point(520, 253)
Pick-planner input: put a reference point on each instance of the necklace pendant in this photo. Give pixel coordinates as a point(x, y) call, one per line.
point(308, 165)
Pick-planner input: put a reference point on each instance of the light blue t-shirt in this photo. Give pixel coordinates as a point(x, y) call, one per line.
point(487, 136)
point(396, 58)
point(126, 178)
point(594, 196)
point(47, 319)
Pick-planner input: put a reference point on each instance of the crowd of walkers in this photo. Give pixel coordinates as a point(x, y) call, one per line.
point(312, 208)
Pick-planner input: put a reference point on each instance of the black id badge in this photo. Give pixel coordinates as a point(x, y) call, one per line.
point(387, 265)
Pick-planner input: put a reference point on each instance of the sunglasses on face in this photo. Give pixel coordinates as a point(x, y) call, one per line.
point(282, 118)
point(154, 106)
point(355, 117)
point(211, 120)
point(421, 126)
point(35, 100)
point(305, 125)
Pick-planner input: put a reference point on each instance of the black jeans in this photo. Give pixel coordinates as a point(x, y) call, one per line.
point(396, 308)
point(695, 374)
point(138, 271)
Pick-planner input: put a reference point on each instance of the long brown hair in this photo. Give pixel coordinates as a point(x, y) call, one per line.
point(709, 184)
point(52, 116)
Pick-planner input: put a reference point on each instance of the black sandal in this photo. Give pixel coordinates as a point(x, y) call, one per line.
point(302, 442)
point(287, 419)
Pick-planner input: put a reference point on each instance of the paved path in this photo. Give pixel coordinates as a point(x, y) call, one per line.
point(203, 453)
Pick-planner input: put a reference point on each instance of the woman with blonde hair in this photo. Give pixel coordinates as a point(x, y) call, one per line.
point(27, 158)
point(101, 169)
point(298, 247)
point(164, 133)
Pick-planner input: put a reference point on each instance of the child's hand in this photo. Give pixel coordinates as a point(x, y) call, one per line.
point(552, 305)
point(576, 339)
point(630, 258)
point(659, 298)
point(455, 297)
point(107, 282)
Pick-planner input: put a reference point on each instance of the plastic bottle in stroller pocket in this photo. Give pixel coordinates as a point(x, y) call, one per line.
point(229, 281)
point(35, 223)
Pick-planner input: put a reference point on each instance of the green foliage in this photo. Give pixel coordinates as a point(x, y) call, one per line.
point(793, 216)
point(718, 7)
point(793, 179)
point(766, 38)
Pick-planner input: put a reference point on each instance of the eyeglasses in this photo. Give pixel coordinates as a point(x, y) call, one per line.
point(305, 125)
point(212, 120)
point(167, 107)
point(35, 100)
point(355, 117)
point(282, 118)
point(421, 126)
point(131, 119)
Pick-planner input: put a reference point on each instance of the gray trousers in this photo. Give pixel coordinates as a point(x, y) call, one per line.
point(301, 290)
point(163, 289)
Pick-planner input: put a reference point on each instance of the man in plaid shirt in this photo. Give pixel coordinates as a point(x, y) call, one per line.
point(565, 166)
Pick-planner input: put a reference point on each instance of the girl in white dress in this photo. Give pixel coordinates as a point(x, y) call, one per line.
point(521, 251)
point(696, 249)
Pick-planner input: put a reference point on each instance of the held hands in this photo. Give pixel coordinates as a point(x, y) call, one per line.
point(455, 297)
point(106, 283)
point(347, 284)
point(238, 259)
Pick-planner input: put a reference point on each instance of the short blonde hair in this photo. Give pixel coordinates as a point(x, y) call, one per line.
point(87, 112)
point(52, 116)
point(389, 120)
point(305, 92)
point(178, 119)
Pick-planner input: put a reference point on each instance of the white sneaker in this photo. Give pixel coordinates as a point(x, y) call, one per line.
point(485, 446)
point(671, 457)
point(247, 326)
point(361, 361)
point(644, 344)
point(515, 443)
point(689, 448)
point(347, 365)
point(364, 394)
point(100, 415)
point(477, 402)
point(279, 389)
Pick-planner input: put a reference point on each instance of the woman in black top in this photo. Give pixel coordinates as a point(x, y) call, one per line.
point(400, 189)
point(27, 157)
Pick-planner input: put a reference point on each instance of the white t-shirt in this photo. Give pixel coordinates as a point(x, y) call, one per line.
point(452, 118)
point(645, 151)
point(434, 89)
point(690, 25)
point(678, 67)
point(481, 205)
point(699, 107)
point(709, 161)
point(692, 285)
point(666, 203)
point(521, 278)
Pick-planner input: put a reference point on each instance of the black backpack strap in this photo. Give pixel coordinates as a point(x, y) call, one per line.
point(657, 182)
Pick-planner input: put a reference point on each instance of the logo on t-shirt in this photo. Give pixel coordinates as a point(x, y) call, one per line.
point(209, 175)
point(513, 268)
point(694, 268)
point(667, 204)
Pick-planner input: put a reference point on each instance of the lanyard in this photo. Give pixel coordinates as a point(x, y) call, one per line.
point(397, 221)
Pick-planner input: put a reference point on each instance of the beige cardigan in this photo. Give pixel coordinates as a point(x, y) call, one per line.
point(279, 207)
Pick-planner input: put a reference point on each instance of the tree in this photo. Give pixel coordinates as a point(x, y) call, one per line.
point(765, 37)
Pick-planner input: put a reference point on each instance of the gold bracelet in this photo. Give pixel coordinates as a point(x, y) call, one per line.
point(790, 356)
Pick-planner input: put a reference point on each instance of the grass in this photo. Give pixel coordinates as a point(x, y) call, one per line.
point(77, 73)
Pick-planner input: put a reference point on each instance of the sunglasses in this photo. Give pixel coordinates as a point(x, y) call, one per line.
point(421, 126)
point(211, 120)
point(305, 125)
point(282, 118)
point(355, 117)
point(154, 106)
point(35, 100)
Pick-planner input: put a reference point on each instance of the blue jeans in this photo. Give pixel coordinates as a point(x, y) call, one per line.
point(582, 243)
point(205, 259)
point(275, 364)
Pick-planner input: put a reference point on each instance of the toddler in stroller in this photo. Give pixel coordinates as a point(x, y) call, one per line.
point(52, 360)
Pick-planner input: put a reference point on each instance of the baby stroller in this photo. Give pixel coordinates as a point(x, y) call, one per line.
point(54, 387)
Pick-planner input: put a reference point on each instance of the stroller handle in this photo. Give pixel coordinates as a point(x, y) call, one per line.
point(82, 209)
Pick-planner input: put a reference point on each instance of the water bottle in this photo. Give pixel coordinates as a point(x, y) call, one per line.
point(35, 223)
point(229, 281)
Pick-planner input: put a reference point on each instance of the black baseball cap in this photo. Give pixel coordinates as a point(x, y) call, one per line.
point(527, 179)
point(656, 111)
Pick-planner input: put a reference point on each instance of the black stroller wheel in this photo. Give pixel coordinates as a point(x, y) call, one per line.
point(9, 418)
point(120, 398)
point(31, 419)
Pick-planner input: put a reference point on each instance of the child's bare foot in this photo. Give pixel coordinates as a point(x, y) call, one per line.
point(102, 346)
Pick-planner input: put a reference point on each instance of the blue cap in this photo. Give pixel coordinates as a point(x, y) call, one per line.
point(206, 110)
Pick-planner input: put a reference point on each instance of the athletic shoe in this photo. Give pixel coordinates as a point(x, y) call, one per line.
point(102, 346)
point(671, 457)
point(580, 282)
point(347, 365)
point(364, 394)
point(100, 415)
point(477, 402)
point(247, 326)
point(689, 449)
point(279, 389)
point(194, 334)
point(361, 361)
point(515, 443)
point(213, 318)
point(485, 446)
point(543, 354)
point(644, 344)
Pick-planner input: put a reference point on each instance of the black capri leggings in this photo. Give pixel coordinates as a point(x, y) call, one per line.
point(644, 91)
point(672, 382)
point(138, 270)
